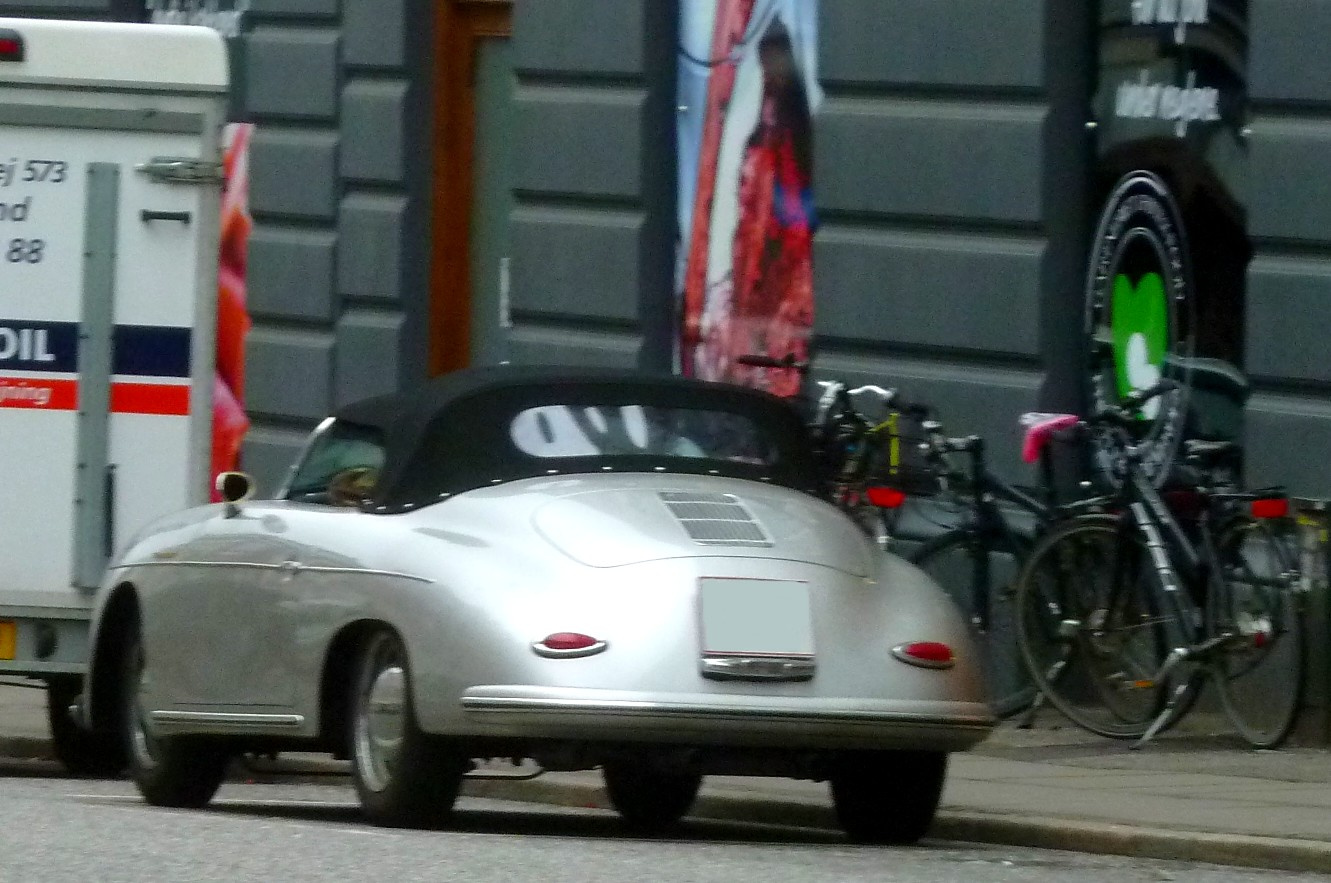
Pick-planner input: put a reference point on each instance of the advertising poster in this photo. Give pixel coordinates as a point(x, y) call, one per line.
point(1164, 291)
point(233, 321)
point(748, 90)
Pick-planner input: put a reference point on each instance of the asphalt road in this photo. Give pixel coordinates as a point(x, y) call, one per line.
point(59, 829)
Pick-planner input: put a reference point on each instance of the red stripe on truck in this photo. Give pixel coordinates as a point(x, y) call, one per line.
point(48, 395)
point(149, 398)
point(171, 399)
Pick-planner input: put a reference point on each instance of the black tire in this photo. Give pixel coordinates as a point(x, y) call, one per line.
point(1093, 652)
point(649, 800)
point(403, 777)
point(94, 754)
point(179, 771)
point(887, 797)
point(1260, 674)
point(950, 560)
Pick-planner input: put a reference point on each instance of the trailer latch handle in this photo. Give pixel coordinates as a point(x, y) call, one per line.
point(182, 170)
point(148, 215)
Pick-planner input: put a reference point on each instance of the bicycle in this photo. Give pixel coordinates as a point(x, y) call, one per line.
point(875, 467)
point(854, 447)
point(1124, 614)
point(984, 550)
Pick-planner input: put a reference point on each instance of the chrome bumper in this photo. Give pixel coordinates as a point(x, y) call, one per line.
point(544, 712)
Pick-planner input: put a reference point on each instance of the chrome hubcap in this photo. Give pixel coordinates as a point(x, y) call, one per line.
point(380, 726)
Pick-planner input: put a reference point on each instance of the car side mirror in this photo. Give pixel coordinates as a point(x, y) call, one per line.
point(234, 488)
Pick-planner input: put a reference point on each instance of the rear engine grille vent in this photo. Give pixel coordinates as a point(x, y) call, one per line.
point(715, 519)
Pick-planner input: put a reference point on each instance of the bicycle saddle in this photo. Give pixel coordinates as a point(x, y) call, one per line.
point(1040, 428)
point(1206, 453)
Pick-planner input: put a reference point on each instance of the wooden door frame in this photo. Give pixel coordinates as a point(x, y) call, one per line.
point(460, 26)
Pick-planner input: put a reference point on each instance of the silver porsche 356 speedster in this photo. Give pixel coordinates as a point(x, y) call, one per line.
point(581, 569)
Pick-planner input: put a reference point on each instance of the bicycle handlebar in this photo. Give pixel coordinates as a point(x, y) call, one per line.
point(940, 444)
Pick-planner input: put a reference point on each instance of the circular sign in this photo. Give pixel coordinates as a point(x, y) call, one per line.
point(1139, 321)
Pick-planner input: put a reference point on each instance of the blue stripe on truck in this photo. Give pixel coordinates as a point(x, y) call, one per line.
point(137, 350)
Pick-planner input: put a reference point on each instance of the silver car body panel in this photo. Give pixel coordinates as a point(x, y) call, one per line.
point(239, 614)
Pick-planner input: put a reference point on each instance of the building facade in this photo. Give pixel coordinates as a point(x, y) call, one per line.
point(437, 183)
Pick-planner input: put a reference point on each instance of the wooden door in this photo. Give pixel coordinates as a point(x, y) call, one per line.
point(467, 31)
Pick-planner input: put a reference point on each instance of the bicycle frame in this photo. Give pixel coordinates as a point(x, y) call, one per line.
point(1180, 565)
point(986, 524)
point(1150, 514)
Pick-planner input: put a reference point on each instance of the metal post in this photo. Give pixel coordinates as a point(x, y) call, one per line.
point(93, 525)
point(1314, 520)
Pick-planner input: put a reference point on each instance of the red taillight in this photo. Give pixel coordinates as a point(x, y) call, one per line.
point(926, 654)
point(11, 46)
point(1270, 507)
point(885, 497)
point(565, 645)
point(568, 641)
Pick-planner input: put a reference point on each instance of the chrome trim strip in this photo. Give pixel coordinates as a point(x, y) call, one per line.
point(228, 719)
point(635, 708)
point(757, 668)
point(366, 571)
point(243, 565)
point(285, 567)
point(571, 653)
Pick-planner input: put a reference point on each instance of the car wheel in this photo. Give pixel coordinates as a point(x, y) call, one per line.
point(182, 771)
point(887, 796)
point(404, 778)
point(649, 800)
point(81, 752)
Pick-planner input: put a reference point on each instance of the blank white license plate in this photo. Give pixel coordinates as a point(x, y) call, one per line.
point(755, 617)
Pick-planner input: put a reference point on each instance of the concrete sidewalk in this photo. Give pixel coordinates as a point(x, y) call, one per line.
point(1193, 795)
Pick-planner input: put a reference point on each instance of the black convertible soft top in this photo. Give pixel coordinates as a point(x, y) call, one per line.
point(452, 433)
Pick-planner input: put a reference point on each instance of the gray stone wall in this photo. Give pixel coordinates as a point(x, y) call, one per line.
point(1289, 279)
point(594, 229)
point(950, 174)
point(338, 269)
point(337, 283)
point(74, 9)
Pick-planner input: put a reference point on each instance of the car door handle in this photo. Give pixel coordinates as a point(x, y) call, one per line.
point(289, 569)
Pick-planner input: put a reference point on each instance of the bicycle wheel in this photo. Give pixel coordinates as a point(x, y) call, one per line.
point(951, 559)
point(1260, 670)
point(1089, 628)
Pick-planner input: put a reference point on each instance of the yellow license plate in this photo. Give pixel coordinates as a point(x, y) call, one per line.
point(8, 638)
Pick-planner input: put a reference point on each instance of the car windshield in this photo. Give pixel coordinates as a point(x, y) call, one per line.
point(561, 431)
point(337, 449)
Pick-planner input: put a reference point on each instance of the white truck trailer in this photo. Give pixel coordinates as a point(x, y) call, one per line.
point(110, 183)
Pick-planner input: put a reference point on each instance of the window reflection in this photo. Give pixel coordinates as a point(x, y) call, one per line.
point(553, 431)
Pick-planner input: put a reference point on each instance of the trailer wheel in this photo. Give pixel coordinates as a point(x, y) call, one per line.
point(82, 752)
point(183, 771)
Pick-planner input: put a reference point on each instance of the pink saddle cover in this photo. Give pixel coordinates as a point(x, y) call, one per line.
point(1040, 428)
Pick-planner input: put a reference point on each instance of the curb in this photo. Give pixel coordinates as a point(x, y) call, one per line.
point(1106, 838)
point(1103, 838)
point(954, 825)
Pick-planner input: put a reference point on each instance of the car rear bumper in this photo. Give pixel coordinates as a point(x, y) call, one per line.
point(545, 712)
